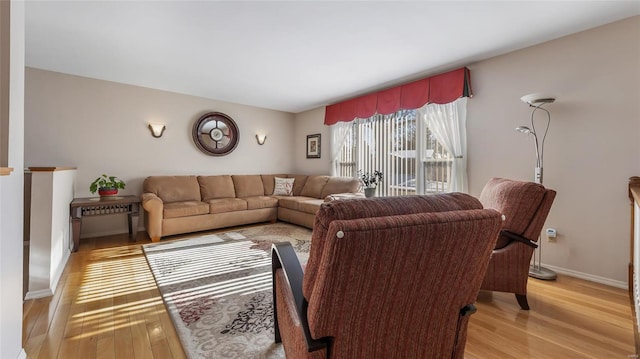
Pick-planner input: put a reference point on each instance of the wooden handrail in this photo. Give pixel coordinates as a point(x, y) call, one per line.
point(5, 171)
point(51, 169)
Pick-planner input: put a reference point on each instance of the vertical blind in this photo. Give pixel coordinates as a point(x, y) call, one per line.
point(402, 148)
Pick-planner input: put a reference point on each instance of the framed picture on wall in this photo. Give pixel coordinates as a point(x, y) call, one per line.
point(313, 146)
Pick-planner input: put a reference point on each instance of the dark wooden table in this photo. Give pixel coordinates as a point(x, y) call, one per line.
point(100, 206)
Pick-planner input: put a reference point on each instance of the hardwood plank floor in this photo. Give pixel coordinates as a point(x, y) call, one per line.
point(107, 306)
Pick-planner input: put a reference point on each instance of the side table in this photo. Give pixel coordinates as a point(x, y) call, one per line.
point(99, 206)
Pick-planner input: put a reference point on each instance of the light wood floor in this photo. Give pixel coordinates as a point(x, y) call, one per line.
point(107, 306)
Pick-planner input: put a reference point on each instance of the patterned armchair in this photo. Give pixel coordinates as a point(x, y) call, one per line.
point(392, 277)
point(525, 206)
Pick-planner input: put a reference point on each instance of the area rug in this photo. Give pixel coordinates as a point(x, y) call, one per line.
point(217, 289)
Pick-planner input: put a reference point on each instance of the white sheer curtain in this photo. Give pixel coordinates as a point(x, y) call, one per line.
point(339, 134)
point(448, 124)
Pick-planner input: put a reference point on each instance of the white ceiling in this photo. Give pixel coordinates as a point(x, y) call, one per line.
point(291, 56)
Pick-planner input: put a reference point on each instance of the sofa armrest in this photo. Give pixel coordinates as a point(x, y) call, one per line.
point(153, 207)
point(337, 196)
point(284, 258)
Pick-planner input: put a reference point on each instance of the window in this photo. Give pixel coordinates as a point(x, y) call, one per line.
point(404, 147)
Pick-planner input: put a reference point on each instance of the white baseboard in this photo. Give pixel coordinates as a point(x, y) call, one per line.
point(589, 277)
point(101, 234)
point(108, 233)
point(42, 293)
point(58, 274)
point(22, 354)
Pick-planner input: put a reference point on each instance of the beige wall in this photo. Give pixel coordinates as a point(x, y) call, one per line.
point(101, 127)
point(592, 148)
point(593, 145)
point(310, 123)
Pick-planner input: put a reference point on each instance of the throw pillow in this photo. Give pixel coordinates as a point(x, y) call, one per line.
point(283, 187)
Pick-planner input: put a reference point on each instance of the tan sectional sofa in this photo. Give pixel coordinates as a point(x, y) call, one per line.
point(183, 204)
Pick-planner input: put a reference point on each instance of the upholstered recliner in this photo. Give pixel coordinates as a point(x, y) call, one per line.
point(392, 277)
point(525, 206)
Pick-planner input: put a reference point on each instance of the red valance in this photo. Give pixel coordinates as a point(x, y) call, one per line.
point(440, 89)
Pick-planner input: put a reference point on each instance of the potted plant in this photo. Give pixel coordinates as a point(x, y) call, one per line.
point(370, 181)
point(106, 185)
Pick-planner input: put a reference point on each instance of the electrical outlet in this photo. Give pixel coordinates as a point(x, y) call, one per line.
point(551, 234)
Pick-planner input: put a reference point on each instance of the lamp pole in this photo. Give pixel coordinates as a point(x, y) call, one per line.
point(536, 270)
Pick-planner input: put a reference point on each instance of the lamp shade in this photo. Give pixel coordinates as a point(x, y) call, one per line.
point(537, 99)
point(523, 129)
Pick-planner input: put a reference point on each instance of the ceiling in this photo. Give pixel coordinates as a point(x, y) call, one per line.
point(291, 56)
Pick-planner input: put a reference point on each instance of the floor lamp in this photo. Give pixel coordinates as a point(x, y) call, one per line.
point(536, 270)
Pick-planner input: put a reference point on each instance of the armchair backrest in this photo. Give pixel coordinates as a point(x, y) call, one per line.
point(524, 204)
point(394, 286)
point(375, 207)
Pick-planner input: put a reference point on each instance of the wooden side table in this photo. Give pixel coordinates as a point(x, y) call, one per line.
point(99, 206)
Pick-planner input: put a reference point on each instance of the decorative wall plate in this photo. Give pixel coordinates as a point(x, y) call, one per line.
point(216, 134)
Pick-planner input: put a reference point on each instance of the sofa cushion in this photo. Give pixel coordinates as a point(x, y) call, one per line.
point(314, 186)
point(268, 181)
point(222, 205)
point(294, 202)
point(301, 204)
point(248, 185)
point(173, 188)
point(283, 187)
point(340, 185)
point(184, 209)
point(216, 187)
point(261, 202)
point(299, 183)
point(311, 206)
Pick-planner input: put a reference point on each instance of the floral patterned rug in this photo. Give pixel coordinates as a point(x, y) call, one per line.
point(217, 289)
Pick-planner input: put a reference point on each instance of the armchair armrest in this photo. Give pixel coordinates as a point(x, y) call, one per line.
point(518, 238)
point(284, 257)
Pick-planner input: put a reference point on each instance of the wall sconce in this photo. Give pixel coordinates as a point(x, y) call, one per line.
point(261, 139)
point(157, 129)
